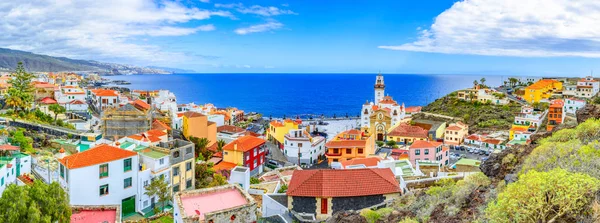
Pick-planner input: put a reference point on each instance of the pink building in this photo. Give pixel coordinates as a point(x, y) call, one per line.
point(428, 150)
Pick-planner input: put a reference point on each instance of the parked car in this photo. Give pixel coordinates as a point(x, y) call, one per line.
point(487, 153)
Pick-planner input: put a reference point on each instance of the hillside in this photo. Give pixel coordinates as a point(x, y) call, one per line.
point(478, 116)
point(43, 63)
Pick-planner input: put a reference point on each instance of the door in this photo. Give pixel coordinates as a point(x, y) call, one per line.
point(152, 202)
point(323, 205)
point(128, 206)
point(379, 136)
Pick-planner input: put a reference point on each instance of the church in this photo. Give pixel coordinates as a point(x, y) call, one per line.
point(379, 116)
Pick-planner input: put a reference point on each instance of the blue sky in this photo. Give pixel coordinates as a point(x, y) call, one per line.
point(538, 37)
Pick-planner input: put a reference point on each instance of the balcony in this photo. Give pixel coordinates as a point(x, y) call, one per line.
point(333, 154)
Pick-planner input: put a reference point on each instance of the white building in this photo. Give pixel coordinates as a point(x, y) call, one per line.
point(103, 98)
point(104, 175)
point(155, 165)
point(299, 143)
point(241, 176)
point(587, 87)
point(165, 101)
point(12, 166)
point(529, 117)
point(395, 110)
point(572, 105)
point(569, 90)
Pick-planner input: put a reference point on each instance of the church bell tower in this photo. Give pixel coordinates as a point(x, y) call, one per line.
point(379, 89)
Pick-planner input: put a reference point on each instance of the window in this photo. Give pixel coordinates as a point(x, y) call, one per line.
point(62, 171)
point(188, 166)
point(175, 171)
point(176, 154)
point(104, 190)
point(103, 171)
point(176, 188)
point(348, 151)
point(417, 152)
point(360, 151)
point(188, 150)
point(127, 165)
point(335, 151)
point(188, 184)
point(299, 145)
point(127, 183)
point(146, 203)
point(145, 183)
point(426, 151)
point(161, 161)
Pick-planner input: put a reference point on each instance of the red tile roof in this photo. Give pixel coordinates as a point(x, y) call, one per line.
point(97, 155)
point(192, 114)
point(158, 125)
point(276, 124)
point(343, 183)
point(388, 100)
point(352, 132)
point(230, 129)
point(48, 100)
point(224, 166)
point(244, 143)
point(141, 104)
point(453, 128)
point(406, 130)
point(474, 137)
point(7, 147)
point(413, 109)
point(76, 102)
point(424, 144)
point(368, 162)
point(105, 93)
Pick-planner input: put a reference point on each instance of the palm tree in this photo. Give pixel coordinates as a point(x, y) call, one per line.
point(56, 109)
point(471, 96)
point(200, 146)
point(475, 83)
point(482, 81)
point(220, 144)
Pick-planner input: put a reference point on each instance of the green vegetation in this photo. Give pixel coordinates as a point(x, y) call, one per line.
point(447, 194)
point(254, 180)
point(56, 109)
point(36, 116)
point(218, 180)
point(39, 202)
point(200, 147)
point(160, 188)
point(20, 92)
point(373, 216)
point(477, 115)
point(554, 196)
point(163, 219)
point(204, 173)
point(18, 138)
point(283, 189)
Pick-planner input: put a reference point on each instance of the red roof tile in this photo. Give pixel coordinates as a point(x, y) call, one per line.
point(244, 143)
point(368, 162)
point(453, 128)
point(76, 102)
point(48, 100)
point(343, 183)
point(413, 109)
point(346, 144)
point(105, 93)
point(230, 129)
point(97, 155)
point(424, 144)
point(192, 114)
point(7, 147)
point(406, 130)
point(141, 104)
point(224, 166)
point(158, 125)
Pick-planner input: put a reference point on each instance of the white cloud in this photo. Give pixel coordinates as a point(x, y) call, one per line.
point(257, 9)
point(98, 29)
point(533, 28)
point(269, 26)
point(205, 1)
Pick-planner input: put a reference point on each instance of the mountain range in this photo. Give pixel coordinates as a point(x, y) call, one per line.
point(43, 63)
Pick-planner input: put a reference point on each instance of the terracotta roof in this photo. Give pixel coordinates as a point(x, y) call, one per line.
point(424, 144)
point(413, 109)
point(158, 125)
point(192, 114)
point(276, 124)
point(8, 147)
point(557, 103)
point(406, 130)
point(230, 129)
point(454, 128)
point(77, 102)
point(224, 166)
point(352, 132)
point(141, 104)
point(519, 128)
point(48, 100)
point(584, 86)
point(343, 183)
point(105, 93)
point(474, 137)
point(368, 162)
point(76, 92)
point(97, 155)
point(388, 100)
point(156, 132)
point(38, 84)
point(346, 144)
point(493, 141)
point(244, 143)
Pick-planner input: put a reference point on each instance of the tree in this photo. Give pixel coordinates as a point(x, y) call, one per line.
point(204, 173)
point(220, 144)
point(160, 188)
point(39, 202)
point(544, 197)
point(57, 109)
point(218, 180)
point(482, 81)
point(391, 143)
point(475, 83)
point(254, 180)
point(20, 92)
point(200, 145)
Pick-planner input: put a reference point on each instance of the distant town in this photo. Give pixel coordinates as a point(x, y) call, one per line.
point(137, 155)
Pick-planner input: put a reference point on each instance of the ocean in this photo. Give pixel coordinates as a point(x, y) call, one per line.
point(289, 95)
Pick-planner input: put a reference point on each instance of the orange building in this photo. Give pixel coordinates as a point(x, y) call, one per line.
point(197, 125)
point(349, 145)
point(556, 114)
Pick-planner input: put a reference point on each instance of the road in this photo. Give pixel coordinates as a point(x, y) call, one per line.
point(510, 96)
point(441, 116)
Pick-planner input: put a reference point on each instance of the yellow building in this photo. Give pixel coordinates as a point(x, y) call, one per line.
point(541, 90)
point(277, 130)
point(380, 122)
point(349, 145)
point(248, 151)
point(182, 164)
point(197, 125)
point(405, 134)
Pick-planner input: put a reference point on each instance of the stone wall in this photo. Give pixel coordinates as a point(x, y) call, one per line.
point(304, 204)
point(356, 203)
point(242, 214)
